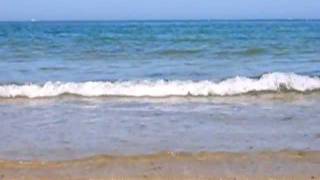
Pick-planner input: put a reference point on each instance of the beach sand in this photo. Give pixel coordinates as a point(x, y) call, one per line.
point(168, 165)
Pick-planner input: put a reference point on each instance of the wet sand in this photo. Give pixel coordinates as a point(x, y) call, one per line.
point(219, 165)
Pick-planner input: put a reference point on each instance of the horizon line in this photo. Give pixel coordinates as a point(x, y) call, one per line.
point(161, 20)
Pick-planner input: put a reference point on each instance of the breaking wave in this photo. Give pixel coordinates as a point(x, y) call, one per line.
point(274, 82)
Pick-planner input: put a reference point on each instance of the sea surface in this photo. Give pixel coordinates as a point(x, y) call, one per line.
point(75, 89)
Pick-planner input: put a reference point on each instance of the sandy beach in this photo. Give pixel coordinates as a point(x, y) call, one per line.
point(254, 165)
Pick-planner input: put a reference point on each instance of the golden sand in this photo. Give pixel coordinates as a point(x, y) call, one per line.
point(253, 165)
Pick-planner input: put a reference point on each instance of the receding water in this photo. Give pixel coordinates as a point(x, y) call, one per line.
point(73, 127)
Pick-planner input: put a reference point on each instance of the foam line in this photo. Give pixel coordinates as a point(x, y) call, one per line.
point(274, 82)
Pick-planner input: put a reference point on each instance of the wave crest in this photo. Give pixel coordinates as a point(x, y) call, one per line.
point(274, 82)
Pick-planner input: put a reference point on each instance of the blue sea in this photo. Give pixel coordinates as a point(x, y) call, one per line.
point(80, 88)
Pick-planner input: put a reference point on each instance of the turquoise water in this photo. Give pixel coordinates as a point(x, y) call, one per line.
point(75, 89)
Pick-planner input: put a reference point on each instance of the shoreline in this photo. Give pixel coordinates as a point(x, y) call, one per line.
point(168, 165)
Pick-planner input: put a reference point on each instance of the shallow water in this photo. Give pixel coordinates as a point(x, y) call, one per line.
point(73, 127)
point(146, 87)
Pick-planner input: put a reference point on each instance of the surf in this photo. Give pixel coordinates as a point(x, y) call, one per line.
point(272, 82)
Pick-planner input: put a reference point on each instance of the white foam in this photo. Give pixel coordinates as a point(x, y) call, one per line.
point(234, 86)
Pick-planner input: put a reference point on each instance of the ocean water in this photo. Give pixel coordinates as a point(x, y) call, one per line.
point(75, 89)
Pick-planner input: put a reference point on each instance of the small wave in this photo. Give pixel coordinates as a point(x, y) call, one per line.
point(179, 52)
point(253, 52)
point(274, 82)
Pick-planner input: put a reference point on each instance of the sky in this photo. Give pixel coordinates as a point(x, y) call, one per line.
point(11, 10)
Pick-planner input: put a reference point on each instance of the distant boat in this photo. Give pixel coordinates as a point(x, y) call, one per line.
point(33, 20)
